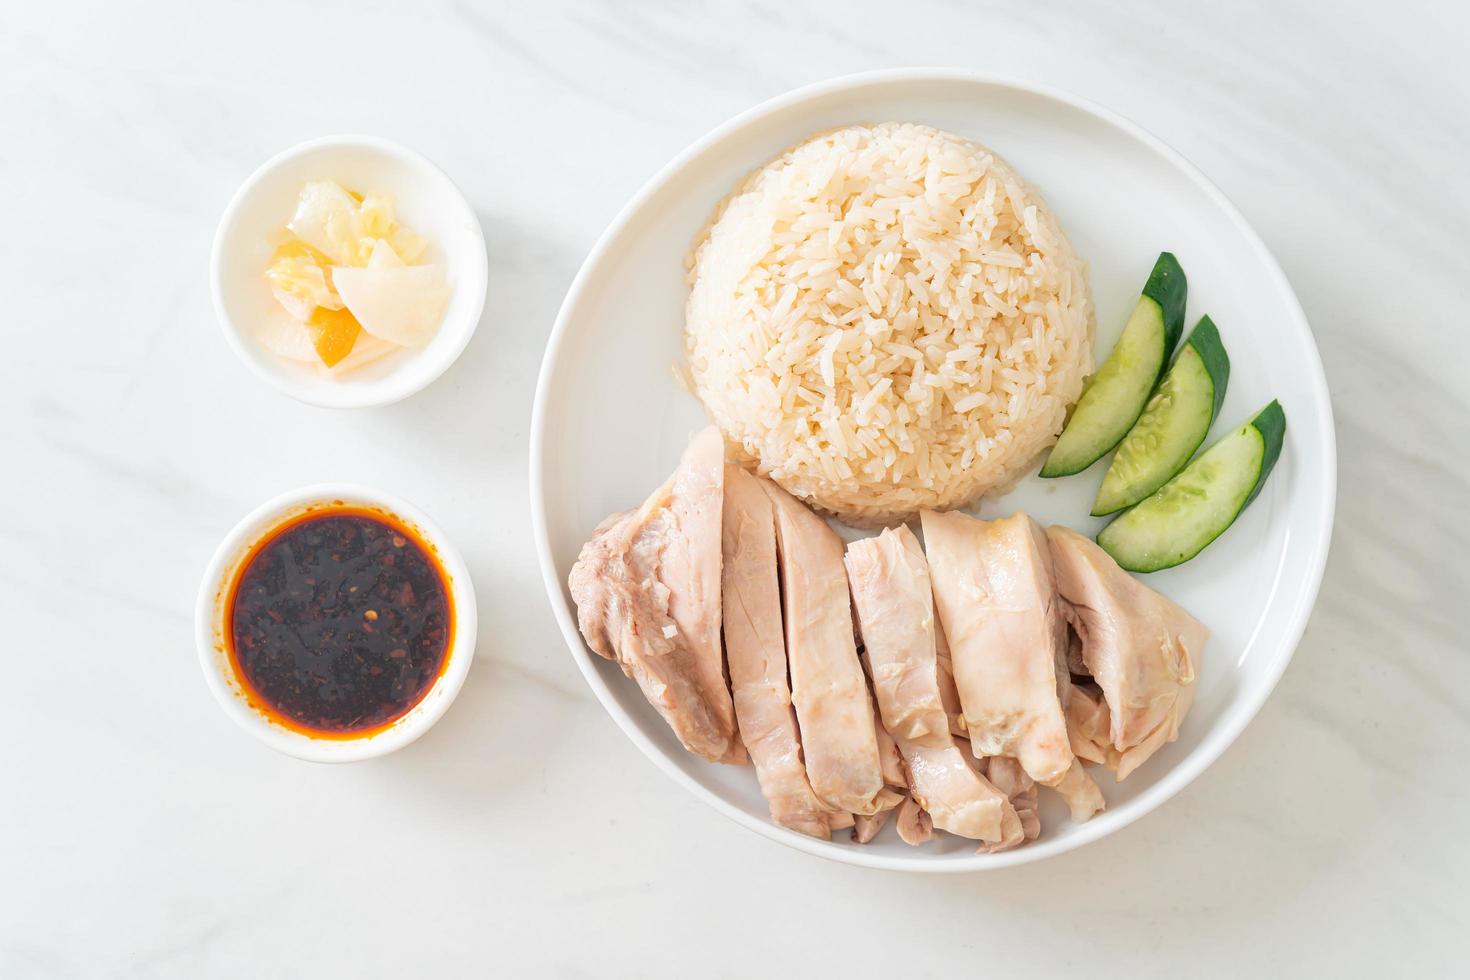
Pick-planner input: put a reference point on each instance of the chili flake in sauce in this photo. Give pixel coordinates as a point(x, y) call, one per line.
point(339, 622)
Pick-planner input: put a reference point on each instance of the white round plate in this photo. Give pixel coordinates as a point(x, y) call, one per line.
point(610, 420)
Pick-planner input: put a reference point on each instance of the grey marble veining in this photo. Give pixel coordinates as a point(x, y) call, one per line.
point(144, 836)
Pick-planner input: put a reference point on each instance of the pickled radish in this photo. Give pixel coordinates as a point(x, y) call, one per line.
point(367, 350)
point(336, 223)
point(340, 242)
point(300, 285)
point(323, 220)
point(384, 257)
point(402, 305)
point(285, 336)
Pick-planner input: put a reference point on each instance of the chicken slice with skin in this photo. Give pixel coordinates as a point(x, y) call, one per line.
point(914, 826)
point(865, 828)
point(827, 684)
point(1007, 776)
point(997, 602)
point(948, 693)
point(895, 777)
point(1075, 665)
point(647, 590)
point(890, 760)
point(994, 591)
point(1141, 649)
point(1080, 792)
point(1089, 725)
point(895, 610)
point(755, 648)
point(891, 596)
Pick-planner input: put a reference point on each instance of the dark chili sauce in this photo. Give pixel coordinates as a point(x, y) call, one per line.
point(339, 622)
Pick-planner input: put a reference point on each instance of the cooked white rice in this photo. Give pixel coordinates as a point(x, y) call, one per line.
point(886, 318)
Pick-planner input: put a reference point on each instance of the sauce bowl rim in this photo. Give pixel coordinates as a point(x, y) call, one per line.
point(212, 644)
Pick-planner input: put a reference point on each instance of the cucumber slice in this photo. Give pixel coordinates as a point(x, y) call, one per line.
point(1196, 507)
point(1173, 424)
point(1114, 398)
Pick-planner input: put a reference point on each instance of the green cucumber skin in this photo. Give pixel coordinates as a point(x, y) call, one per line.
point(1270, 422)
point(1204, 340)
point(1269, 425)
point(1058, 462)
point(1168, 287)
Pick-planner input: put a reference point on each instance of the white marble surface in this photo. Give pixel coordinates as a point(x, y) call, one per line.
point(142, 835)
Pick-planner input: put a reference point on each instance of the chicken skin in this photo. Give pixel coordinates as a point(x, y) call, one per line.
point(895, 610)
point(833, 710)
point(1141, 649)
point(996, 595)
point(755, 648)
point(647, 590)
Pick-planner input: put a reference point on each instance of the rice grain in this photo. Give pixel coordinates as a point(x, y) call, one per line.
point(886, 318)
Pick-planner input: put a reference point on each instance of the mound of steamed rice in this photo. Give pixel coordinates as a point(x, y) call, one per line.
point(886, 318)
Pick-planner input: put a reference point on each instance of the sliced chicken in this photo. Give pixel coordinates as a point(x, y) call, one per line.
point(895, 610)
point(1075, 664)
point(914, 826)
point(948, 693)
point(890, 760)
point(827, 683)
point(1080, 792)
point(891, 596)
point(755, 647)
point(1141, 649)
point(1089, 726)
point(895, 778)
point(997, 602)
point(865, 828)
point(647, 589)
point(1007, 776)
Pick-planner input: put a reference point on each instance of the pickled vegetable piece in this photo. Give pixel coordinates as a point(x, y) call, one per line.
point(403, 305)
point(333, 333)
point(299, 279)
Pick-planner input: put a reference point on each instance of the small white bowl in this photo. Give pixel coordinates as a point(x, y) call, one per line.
point(210, 626)
point(427, 201)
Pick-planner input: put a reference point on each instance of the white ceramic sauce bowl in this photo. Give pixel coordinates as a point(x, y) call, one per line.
point(610, 422)
point(427, 202)
point(210, 626)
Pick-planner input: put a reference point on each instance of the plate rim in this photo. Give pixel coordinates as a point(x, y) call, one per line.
point(1169, 784)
